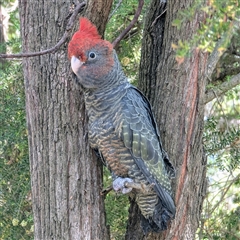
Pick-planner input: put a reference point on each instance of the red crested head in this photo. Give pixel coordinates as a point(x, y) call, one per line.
point(87, 29)
point(92, 58)
point(85, 38)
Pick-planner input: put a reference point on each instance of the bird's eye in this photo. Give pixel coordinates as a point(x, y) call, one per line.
point(92, 55)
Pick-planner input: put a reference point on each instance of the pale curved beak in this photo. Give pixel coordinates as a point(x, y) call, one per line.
point(75, 64)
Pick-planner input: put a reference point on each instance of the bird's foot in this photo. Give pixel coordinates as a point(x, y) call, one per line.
point(120, 185)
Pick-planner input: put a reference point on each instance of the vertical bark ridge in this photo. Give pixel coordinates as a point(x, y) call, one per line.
point(191, 99)
point(65, 177)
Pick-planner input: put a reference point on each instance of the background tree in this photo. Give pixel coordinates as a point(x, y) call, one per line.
point(66, 177)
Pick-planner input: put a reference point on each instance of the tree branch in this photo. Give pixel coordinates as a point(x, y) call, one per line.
point(216, 54)
point(128, 28)
point(116, 8)
point(64, 38)
point(222, 88)
point(214, 57)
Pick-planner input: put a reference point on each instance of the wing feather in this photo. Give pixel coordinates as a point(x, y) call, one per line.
point(141, 137)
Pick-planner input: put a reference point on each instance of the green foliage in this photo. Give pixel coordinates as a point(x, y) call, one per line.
point(218, 23)
point(221, 212)
point(129, 49)
point(227, 227)
point(116, 208)
point(222, 133)
point(221, 145)
point(220, 215)
point(15, 214)
point(16, 221)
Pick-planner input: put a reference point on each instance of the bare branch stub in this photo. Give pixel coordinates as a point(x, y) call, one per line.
point(70, 25)
point(222, 88)
point(128, 28)
point(106, 190)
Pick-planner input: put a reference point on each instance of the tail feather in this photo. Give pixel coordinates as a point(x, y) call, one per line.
point(159, 221)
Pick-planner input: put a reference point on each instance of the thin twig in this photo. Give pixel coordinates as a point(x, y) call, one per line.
point(64, 38)
point(116, 8)
point(128, 28)
point(224, 193)
point(158, 17)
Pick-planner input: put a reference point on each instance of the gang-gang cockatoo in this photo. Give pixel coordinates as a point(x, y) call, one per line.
point(122, 128)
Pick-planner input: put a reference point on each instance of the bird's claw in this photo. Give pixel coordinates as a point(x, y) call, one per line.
point(120, 186)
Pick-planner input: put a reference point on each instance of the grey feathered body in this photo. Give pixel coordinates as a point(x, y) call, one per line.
point(122, 127)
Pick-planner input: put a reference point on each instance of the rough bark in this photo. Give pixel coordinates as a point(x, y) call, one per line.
point(66, 179)
point(177, 95)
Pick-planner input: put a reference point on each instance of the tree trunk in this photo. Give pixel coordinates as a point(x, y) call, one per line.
point(177, 96)
point(65, 176)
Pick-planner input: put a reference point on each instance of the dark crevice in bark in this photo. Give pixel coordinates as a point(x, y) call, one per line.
point(151, 48)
